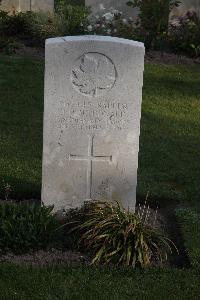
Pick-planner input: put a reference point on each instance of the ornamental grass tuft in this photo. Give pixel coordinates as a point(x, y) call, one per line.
point(113, 235)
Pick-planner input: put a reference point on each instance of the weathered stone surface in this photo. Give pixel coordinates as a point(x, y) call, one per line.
point(44, 5)
point(93, 93)
point(27, 5)
point(9, 5)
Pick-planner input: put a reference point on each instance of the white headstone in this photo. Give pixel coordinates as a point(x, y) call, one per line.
point(93, 94)
point(27, 5)
point(10, 5)
point(44, 5)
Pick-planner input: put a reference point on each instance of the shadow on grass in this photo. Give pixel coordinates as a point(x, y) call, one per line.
point(173, 80)
point(169, 164)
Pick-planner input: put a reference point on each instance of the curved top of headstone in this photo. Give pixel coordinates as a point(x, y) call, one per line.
point(95, 38)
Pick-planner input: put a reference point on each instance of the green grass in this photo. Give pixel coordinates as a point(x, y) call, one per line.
point(63, 283)
point(189, 220)
point(169, 167)
point(169, 164)
point(21, 113)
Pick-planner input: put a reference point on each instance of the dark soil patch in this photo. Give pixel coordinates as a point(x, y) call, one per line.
point(158, 57)
point(155, 57)
point(165, 221)
point(181, 259)
point(45, 258)
point(36, 52)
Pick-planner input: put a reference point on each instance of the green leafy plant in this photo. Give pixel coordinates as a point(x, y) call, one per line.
point(7, 190)
point(8, 46)
point(184, 35)
point(196, 49)
point(34, 27)
point(17, 24)
point(71, 2)
point(73, 18)
point(4, 17)
point(44, 26)
point(26, 227)
point(153, 19)
point(115, 235)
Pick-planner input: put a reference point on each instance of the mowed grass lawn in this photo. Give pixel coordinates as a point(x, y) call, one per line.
point(169, 167)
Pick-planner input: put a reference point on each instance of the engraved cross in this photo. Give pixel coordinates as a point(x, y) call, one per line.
point(90, 158)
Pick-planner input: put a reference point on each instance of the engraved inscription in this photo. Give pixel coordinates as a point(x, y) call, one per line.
point(90, 158)
point(87, 115)
point(93, 74)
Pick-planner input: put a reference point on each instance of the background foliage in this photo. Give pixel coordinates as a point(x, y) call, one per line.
point(33, 28)
point(71, 18)
point(153, 18)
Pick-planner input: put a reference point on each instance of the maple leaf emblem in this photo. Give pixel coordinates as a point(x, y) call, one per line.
point(95, 74)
